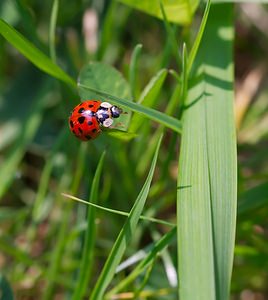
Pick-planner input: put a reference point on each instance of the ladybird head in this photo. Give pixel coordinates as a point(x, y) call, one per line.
point(116, 111)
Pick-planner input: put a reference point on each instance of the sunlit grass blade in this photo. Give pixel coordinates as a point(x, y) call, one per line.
point(150, 113)
point(124, 236)
point(198, 38)
point(207, 181)
point(85, 266)
point(33, 54)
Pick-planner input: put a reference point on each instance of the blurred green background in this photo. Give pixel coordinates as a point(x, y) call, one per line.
point(41, 231)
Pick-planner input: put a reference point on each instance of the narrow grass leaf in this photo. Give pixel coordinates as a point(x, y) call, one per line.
point(158, 246)
point(150, 113)
point(118, 212)
point(133, 69)
point(148, 97)
point(172, 39)
point(198, 38)
point(85, 266)
point(207, 180)
point(124, 236)
point(52, 30)
point(33, 54)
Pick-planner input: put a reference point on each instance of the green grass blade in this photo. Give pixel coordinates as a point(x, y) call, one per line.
point(171, 36)
point(38, 58)
point(133, 69)
point(85, 267)
point(161, 244)
point(150, 113)
point(124, 236)
point(148, 97)
point(198, 38)
point(52, 30)
point(207, 171)
point(118, 212)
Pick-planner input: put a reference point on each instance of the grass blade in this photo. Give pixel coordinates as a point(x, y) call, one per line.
point(38, 58)
point(124, 236)
point(158, 247)
point(148, 97)
point(52, 30)
point(198, 38)
point(150, 113)
point(87, 256)
point(133, 70)
point(207, 175)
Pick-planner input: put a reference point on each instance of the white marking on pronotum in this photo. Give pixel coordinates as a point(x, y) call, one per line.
point(106, 105)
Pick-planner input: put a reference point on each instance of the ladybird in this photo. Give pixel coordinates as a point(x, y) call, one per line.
point(88, 118)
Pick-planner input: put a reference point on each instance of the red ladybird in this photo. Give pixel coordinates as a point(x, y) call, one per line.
point(88, 117)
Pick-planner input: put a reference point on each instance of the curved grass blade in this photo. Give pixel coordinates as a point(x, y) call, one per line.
point(150, 113)
point(124, 236)
point(207, 180)
point(118, 212)
point(148, 97)
point(85, 267)
point(38, 58)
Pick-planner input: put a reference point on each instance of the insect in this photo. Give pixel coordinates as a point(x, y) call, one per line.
point(88, 118)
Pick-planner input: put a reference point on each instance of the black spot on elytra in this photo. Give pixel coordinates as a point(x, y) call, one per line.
point(71, 124)
point(81, 110)
point(80, 130)
point(88, 137)
point(90, 105)
point(89, 123)
point(81, 120)
point(94, 130)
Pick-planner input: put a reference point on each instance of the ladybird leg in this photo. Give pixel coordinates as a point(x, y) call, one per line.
point(108, 122)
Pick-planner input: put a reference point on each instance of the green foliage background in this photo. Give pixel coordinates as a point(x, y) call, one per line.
point(160, 198)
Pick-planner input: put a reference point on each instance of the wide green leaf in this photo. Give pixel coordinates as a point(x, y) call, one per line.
point(180, 11)
point(126, 234)
point(103, 77)
point(33, 54)
point(207, 180)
